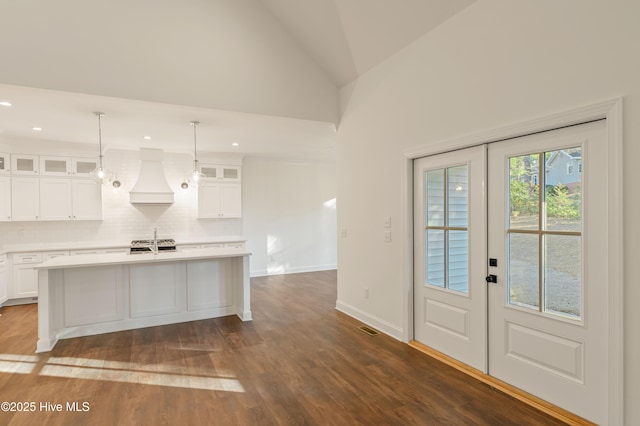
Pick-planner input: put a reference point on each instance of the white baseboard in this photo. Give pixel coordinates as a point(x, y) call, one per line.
point(381, 325)
point(293, 270)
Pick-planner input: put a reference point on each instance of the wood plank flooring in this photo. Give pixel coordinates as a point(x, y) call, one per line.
point(299, 362)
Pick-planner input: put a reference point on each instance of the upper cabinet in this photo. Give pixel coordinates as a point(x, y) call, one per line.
point(65, 166)
point(24, 164)
point(55, 166)
point(5, 163)
point(83, 166)
point(221, 173)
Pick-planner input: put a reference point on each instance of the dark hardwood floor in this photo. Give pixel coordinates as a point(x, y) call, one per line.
point(299, 362)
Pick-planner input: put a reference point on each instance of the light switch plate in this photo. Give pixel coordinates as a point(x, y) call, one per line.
point(387, 222)
point(387, 236)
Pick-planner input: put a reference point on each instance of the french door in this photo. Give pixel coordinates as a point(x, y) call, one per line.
point(450, 254)
point(540, 322)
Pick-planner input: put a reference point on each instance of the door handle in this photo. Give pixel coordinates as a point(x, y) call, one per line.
point(491, 279)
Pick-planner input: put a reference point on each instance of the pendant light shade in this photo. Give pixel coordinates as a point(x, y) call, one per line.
point(196, 175)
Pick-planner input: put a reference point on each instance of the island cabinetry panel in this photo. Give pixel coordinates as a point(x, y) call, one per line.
point(87, 303)
point(156, 289)
point(210, 284)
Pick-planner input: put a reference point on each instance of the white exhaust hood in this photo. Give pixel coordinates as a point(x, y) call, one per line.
point(152, 186)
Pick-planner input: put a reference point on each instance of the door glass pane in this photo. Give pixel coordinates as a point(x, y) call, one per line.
point(446, 222)
point(563, 190)
point(523, 270)
point(524, 188)
point(230, 173)
point(563, 274)
point(25, 164)
point(55, 166)
point(457, 197)
point(209, 172)
point(2, 166)
point(435, 208)
point(435, 257)
point(458, 261)
point(85, 167)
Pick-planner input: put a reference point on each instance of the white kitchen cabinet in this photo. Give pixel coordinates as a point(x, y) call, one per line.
point(219, 200)
point(24, 279)
point(24, 164)
point(5, 162)
point(83, 166)
point(55, 166)
point(86, 199)
point(70, 199)
point(25, 198)
point(55, 199)
point(221, 173)
point(5, 198)
point(4, 288)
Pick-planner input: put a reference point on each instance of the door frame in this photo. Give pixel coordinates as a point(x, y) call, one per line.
point(611, 110)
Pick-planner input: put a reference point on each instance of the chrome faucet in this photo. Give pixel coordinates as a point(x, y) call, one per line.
point(154, 248)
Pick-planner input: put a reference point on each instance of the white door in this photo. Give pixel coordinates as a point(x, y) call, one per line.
point(547, 227)
point(450, 254)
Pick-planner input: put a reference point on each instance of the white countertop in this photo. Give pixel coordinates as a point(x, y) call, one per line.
point(82, 245)
point(88, 260)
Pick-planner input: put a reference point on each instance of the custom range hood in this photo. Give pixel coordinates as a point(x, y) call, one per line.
point(152, 186)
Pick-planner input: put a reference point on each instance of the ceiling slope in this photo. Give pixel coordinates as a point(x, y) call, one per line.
point(222, 54)
point(349, 37)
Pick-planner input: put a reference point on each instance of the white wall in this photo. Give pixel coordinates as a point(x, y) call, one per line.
point(496, 63)
point(289, 215)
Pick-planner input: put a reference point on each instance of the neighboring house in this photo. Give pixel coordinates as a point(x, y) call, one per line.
point(564, 167)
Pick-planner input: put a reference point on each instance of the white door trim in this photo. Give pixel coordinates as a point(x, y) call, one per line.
point(612, 111)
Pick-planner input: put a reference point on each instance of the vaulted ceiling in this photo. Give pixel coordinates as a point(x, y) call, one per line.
point(262, 73)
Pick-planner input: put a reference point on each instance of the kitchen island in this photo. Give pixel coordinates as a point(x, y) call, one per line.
point(103, 293)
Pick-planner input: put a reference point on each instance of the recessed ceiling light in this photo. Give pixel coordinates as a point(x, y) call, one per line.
point(147, 137)
point(235, 144)
point(37, 129)
point(5, 103)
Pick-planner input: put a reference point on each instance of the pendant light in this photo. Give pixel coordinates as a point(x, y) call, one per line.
point(100, 172)
point(196, 175)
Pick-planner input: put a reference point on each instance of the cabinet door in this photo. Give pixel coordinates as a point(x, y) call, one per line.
point(83, 166)
point(208, 200)
point(25, 281)
point(4, 163)
point(24, 164)
point(231, 200)
point(55, 166)
point(230, 173)
point(55, 199)
point(87, 199)
point(25, 198)
point(5, 199)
